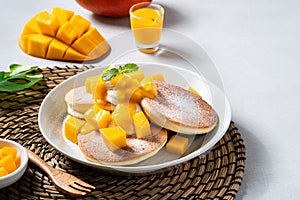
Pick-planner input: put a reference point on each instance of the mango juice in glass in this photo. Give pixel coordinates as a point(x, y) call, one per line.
point(146, 21)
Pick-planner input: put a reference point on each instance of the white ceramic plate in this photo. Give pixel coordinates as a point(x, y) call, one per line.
point(53, 111)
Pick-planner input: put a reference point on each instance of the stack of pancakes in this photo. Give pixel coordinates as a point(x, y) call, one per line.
point(174, 108)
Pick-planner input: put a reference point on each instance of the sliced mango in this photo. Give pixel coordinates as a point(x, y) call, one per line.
point(122, 116)
point(63, 31)
point(103, 118)
point(149, 87)
point(141, 125)
point(114, 137)
point(56, 50)
point(87, 128)
point(3, 171)
point(9, 151)
point(62, 14)
point(72, 127)
point(91, 83)
point(90, 117)
point(8, 162)
point(47, 23)
point(177, 144)
point(100, 92)
point(38, 45)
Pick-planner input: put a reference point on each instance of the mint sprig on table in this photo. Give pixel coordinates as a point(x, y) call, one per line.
point(18, 78)
point(112, 72)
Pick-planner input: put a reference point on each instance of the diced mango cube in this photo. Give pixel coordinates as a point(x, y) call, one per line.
point(87, 128)
point(38, 45)
point(103, 118)
point(62, 14)
point(177, 144)
point(71, 54)
point(91, 83)
point(8, 162)
point(9, 151)
point(90, 117)
point(149, 86)
point(84, 45)
point(100, 92)
point(3, 171)
point(114, 137)
point(141, 124)
point(95, 36)
point(136, 96)
point(56, 50)
point(72, 127)
point(67, 33)
point(122, 116)
point(47, 23)
point(31, 27)
point(81, 24)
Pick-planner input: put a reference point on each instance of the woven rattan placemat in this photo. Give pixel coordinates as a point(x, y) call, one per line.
point(216, 175)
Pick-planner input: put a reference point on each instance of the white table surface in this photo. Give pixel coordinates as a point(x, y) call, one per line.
point(255, 45)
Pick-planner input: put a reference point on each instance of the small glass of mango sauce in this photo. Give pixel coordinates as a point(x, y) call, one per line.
point(146, 20)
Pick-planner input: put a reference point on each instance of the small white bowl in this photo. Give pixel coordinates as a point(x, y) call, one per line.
point(18, 173)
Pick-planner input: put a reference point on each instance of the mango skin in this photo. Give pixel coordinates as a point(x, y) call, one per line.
point(62, 35)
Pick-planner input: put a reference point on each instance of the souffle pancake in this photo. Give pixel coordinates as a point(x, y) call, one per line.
point(179, 110)
point(93, 148)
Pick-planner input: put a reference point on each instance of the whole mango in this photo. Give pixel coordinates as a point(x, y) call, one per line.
point(110, 8)
point(62, 35)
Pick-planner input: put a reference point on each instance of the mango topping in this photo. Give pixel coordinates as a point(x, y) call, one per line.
point(177, 144)
point(72, 127)
point(62, 35)
point(122, 116)
point(103, 118)
point(9, 160)
point(114, 137)
point(141, 124)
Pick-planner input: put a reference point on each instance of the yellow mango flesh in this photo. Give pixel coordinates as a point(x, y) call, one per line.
point(3, 171)
point(62, 14)
point(177, 145)
point(149, 88)
point(122, 116)
point(63, 31)
point(114, 137)
point(9, 151)
point(87, 128)
point(8, 162)
point(141, 125)
point(91, 83)
point(103, 118)
point(72, 127)
point(100, 92)
point(90, 117)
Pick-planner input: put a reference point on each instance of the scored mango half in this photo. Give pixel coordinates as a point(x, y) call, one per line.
point(62, 35)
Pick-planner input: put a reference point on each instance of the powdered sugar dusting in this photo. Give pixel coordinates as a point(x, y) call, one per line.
point(182, 106)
